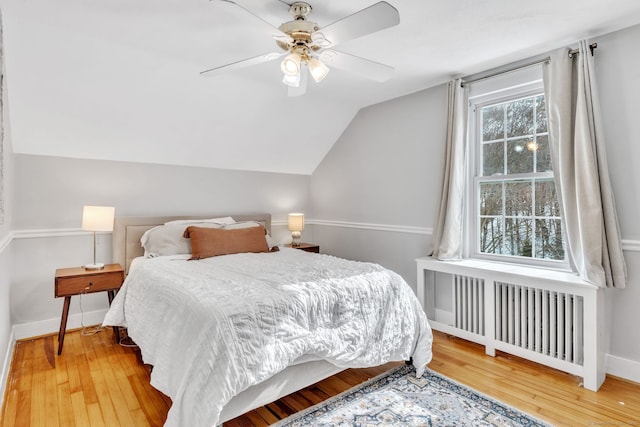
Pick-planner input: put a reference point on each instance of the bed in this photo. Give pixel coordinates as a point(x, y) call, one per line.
point(227, 334)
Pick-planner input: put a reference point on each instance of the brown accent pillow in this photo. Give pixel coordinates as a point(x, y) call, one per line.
point(210, 242)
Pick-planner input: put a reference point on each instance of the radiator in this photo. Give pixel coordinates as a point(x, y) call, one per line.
point(549, 317)
point(469, 304)
point(538, 320)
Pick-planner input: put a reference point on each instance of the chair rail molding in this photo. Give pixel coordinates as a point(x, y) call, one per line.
point(371, 226)
point(5, 241)
point(628, 245)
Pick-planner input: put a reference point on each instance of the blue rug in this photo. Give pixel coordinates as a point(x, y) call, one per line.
point(398, 398)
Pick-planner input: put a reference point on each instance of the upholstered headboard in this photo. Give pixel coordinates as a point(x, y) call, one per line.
point(127, 232)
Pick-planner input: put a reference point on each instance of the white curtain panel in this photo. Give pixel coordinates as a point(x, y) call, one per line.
point(447, 238)
point(579, 162)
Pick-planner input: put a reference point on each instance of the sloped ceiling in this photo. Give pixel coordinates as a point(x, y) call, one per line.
point(119, 79)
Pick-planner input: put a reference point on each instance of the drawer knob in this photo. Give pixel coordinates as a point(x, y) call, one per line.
point(88, 287)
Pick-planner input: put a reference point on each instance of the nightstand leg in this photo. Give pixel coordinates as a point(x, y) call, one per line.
point(116, 330)
point(63, 323)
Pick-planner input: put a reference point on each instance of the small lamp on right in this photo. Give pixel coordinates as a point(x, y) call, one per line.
point(296, 225)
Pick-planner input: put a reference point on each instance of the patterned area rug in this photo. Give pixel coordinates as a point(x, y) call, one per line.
point(398, 398)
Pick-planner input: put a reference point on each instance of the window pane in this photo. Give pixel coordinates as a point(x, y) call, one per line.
point(493, 122)
point(491, 198)
point(546, 198)
point(517, 239)
point(549, 239)
point(518, 201)
point(520, 117)
point(491, 235)
point(519, 156)
point(543, 155)
point(541, 114)
point(518, 213)
point(493, 158)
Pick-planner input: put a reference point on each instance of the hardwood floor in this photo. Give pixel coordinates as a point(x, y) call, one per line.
point(97, 383)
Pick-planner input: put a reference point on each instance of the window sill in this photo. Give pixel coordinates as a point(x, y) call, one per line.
point(504, 271)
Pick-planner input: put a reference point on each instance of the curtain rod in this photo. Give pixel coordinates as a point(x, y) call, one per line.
point(592, 47)
point(497, 73)
point(572, 52)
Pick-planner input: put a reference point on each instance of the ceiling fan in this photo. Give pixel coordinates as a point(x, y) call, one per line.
point(306, 45)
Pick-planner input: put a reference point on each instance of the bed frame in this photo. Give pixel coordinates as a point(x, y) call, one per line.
point(127, 232)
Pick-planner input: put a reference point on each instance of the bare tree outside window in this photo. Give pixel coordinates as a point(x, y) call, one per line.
point(518, 211)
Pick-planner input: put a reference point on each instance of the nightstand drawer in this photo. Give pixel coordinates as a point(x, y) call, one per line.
point(66, 286)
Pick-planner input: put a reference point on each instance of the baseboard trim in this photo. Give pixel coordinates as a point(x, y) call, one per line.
point(49, 326)
point(623, 368)
point(6, 367)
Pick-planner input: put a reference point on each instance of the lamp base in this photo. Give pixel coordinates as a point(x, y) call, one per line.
point(295, 238)
point(96, 266)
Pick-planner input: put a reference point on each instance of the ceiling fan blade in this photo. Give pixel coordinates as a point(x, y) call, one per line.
point(354, 64)
point(242, 64)
point(292, 91)
point(366, 21)
point(276, 33)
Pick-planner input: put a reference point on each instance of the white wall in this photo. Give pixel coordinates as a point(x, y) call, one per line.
point(51, 191)
point(386, 169)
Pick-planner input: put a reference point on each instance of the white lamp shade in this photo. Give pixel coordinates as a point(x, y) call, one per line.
point(293, 81)
point(317, 69)
point(296, 222)
point(290, 65)
point(98, 218)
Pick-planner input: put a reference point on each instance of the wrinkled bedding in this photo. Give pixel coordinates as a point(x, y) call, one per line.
point(214, 327)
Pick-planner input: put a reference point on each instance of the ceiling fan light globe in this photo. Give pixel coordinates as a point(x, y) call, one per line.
point(317, 69)
point(290, 65)
point(293, 81)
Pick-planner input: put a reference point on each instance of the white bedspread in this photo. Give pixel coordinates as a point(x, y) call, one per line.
point(212, 328)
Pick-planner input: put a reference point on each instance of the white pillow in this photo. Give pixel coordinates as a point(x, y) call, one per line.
point(241, 224)
point(222, 220)
point(168, 239)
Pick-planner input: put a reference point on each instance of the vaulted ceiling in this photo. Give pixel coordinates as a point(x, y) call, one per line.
point(119, 79)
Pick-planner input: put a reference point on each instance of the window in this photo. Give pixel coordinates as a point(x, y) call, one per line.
point(515, 215)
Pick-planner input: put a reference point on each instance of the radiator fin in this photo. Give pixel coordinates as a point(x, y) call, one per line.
point(469, 304)
point(541, 321)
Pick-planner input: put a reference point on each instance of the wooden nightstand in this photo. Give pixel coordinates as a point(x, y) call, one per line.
point(307, 247)
point(77, 280)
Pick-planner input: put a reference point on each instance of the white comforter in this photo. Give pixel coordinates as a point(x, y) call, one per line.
point(215, 327)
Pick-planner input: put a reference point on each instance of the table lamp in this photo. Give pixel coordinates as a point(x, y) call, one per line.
point(296, 225)
point(97, 218)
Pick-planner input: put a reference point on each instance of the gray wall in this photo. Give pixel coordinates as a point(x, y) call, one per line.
point(386, 168)
point(6, 253)
point(51, 191)
point(618, 73)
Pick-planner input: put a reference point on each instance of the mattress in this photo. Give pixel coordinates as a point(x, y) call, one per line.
point(215, 327)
